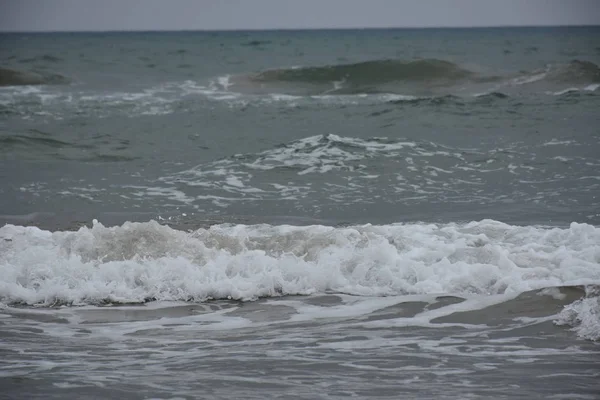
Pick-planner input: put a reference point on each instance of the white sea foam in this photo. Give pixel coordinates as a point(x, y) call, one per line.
point(523, 80)
point(583, 315)
point(169, 193)
point(23, 90)
point(242, 174)
point(556, 142)
point(565, 91)
point(137, 261)
point(351, 168)
point(323, 153)
point(234, 181)
point(224, 81)
point(312, 154)
point(588, 88)
point(592, 87)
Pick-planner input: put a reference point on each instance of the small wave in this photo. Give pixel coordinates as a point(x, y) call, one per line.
point(43, 58)
point(578, 92)
point(492, 95)
point(24, 140)
point(37, 142)
point(567, 91)
point(483, 98)
point(176, 52)
point(140, 261)
point(529, 78)
point(256, 43)
point(11, 77)
point(314, 154)
point(111, 158)
point(433, 101)
point(250, 176)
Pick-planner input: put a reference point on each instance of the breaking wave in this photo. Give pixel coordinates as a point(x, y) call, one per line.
point(136, 262)
point(583, 315)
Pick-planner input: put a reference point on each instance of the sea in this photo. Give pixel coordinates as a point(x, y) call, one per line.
point(311, 214)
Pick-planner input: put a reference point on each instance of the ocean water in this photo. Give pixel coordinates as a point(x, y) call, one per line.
point(300, 214)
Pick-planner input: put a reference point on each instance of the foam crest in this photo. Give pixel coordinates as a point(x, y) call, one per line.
point(583, 315)
point(319, 153)
point(322, 153)
point(137, 262)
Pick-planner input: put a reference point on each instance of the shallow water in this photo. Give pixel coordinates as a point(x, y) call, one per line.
point(336, 344)
point(431, 311)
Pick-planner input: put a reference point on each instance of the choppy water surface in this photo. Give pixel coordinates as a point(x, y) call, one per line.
point(300, 214)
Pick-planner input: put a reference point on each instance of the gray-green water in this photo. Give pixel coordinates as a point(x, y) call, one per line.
point(367, 213)
point(374, 126)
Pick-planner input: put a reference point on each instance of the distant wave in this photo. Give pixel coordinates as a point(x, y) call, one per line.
point(11, 77)
point(255, 43)
point(421, 78)
point(386, 76)
point(368, 72)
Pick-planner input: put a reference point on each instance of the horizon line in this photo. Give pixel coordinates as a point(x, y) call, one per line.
point(303, 29)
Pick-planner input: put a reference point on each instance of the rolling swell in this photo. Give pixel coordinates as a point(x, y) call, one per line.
point(368, 72)
point(426, 78)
